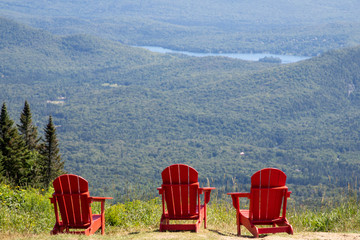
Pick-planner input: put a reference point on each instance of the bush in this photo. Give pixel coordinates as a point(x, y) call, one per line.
point(343, 216)
point(134, 214)
point(29, 211)
point(25, 211)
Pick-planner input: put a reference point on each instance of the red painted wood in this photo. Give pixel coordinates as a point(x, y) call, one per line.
point(184, 189)
point(268, 198)
point(74, 207)
point(181, 190)
point(72, 199)
point(181, 197)
point(267, 201)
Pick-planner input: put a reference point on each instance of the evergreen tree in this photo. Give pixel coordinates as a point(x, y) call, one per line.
point(27, 130)
point(52, 165)
point(13, 149)
point(1, 167)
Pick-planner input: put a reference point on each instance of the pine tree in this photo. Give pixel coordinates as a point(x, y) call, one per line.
point(27, 130)
point(1, 167)
point(52, 165)
point(13, 150)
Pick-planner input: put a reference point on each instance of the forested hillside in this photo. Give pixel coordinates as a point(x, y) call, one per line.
point(299, 27)
point(123, 114)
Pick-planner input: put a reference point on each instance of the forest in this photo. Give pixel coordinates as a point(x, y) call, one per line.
point(297, 27)
point(27, 160)
point(123, 114)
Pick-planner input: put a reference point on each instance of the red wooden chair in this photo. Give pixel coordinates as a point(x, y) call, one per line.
point(72, 199)
point(180, 193)
point(268, 197)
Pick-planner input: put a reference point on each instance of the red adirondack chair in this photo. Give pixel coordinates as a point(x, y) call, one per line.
point(268, 198)
point(180, 193)
point(72, 199)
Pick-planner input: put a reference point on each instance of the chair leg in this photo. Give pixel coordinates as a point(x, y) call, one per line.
point(205, 217)
point(87, 232)
point(102, 227)
point(252, 228)
point(102, 217)
point(238, 223)
point(197, 224)
point(290, 230)
point(163, 221)
point(56, 229)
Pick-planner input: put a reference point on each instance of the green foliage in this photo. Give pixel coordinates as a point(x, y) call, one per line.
point(123, 114)
point(1, 167)
point(341, 216)
point(296, 27)
point(26, 128)
point(270, 59)
point(23, 161)
point(51, 164)
point(14, 153)
point(135, 214)
point(29, 211)
point(25, 211)
point(221, 213)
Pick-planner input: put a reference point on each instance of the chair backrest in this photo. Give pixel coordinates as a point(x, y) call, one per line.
point(72, 196)
point(180, 184)
point(267, 194)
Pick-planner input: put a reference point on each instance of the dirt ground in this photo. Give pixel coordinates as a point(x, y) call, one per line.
point(315, 235)
point(208, 234)
point(222, 236)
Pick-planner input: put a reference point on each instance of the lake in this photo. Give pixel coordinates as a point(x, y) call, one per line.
point(244, 56)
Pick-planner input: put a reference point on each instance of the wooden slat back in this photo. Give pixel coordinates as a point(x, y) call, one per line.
point(72, 193)
point(180, 184)
point(266, 201)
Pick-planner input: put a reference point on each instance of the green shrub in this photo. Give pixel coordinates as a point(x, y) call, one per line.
point(343, 216)
point(134, 214)
point(30, 212)
point(221, 213)
point(25, 211)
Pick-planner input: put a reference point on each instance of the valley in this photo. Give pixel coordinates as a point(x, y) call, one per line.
point(128, 113)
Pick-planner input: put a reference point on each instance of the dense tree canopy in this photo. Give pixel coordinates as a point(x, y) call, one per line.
point(13, 149)
point(24, 163)
point(123, 114)
point(296, 27)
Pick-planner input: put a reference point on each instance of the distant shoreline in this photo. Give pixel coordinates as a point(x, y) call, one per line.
point(285, 59)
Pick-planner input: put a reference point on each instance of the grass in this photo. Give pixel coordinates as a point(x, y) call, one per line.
point(28, 214)
point(343, 216)
point(24, 211)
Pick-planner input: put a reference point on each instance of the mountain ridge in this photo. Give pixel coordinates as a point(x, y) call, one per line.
point(297, 27)
point(127, 113)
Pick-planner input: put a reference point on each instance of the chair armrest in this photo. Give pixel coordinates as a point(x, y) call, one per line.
point(235, 198)
point(239, 194)
point(269, 188)
point(53, 198)
point(207, 188)
point(99, 199)
point(102, 200)
point(288, 194)
point(53, 201)
point(161, 190)
point(206, 191)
